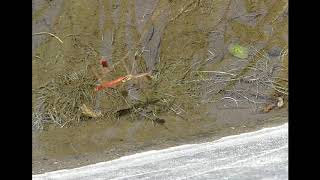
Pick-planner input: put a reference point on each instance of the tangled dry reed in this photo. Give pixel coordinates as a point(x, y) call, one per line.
point(59, 101)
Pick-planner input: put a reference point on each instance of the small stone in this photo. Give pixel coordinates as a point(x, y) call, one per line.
point(280, 102)
point(275, 51)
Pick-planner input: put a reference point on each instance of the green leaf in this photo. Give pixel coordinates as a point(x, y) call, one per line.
point(238, 51)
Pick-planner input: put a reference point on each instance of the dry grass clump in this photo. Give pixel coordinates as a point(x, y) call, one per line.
point(60, 100)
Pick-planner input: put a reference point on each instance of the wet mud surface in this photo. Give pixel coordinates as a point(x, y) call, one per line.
point(198, 90)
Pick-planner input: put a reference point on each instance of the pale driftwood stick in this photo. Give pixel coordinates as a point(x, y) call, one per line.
point(41, 33)
point(219, 72)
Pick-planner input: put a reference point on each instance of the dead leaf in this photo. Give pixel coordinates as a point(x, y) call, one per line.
point(89, 112)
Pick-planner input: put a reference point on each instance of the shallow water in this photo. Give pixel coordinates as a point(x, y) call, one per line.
point(257, 155)
point(172, 39)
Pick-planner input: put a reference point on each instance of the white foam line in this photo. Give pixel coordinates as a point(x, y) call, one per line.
point(151, 156)
point(232, 165)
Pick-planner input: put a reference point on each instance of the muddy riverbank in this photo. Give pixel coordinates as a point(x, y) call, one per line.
point(58, 157)
point(195, 87)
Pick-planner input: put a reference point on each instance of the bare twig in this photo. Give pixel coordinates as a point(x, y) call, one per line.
point(219, 72)
point(183, 10)
point(41, 33)
point(285, 7)
point(231, 99)
point(213, 55)
point(250, 100)
point(258, 52)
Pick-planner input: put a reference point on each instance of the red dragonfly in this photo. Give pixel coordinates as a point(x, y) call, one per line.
point(110, 84)
point(119, 80)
